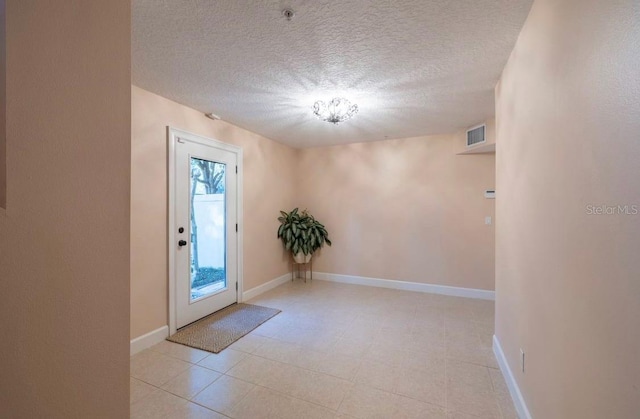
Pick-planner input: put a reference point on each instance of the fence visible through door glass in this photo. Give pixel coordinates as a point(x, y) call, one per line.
point(208, 228)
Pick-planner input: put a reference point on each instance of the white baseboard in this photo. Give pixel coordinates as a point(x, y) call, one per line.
point(407, 286)
point(514, 390)
point(145, 341)
point(261, 289)
point(156, 336)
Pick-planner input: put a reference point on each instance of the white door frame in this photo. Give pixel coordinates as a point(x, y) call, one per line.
point(172, 135)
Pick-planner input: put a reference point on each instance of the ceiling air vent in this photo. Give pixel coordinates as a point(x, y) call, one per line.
point(476, 135)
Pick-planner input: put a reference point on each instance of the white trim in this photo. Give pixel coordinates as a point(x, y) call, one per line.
point(514, 390)
point(171, 150)
point(240, 220)
point(145, 341)
point(407, 286)
point(261, 289)
point(171, 219)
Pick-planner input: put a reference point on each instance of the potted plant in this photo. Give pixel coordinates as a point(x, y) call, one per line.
point(302, 234)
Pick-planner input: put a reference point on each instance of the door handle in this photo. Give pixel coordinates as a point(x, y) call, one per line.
point(182, 243)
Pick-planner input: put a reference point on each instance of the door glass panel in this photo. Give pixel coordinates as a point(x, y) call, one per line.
point(208, 228)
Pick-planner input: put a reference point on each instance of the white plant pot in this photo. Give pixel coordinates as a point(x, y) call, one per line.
point(300, 257)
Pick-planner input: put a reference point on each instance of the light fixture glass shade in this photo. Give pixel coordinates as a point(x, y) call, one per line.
point(336, 111)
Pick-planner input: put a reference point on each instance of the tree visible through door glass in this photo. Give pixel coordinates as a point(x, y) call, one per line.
point(208, 221)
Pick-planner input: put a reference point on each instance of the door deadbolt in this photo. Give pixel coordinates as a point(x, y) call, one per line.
point(181, 230)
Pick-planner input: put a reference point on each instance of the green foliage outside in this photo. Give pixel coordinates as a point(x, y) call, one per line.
point(206, 276)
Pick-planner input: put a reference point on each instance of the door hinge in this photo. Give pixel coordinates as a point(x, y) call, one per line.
point(236, 169)
point(236, 286)
point(236, 227)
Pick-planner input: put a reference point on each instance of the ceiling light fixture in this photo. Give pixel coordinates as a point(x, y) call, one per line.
point(336, 111)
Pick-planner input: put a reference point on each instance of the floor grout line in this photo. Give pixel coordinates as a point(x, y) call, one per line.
point(449, 314)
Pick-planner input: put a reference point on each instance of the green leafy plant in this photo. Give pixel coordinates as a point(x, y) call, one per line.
point(301, 232)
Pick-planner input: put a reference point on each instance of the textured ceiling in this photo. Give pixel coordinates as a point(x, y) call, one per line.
point(414, 67)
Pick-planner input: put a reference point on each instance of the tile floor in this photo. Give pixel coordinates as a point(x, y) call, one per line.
point(335, 351)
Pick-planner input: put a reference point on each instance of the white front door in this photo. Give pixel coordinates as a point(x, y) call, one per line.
point(203, 226)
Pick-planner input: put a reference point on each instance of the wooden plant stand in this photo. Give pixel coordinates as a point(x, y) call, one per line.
point(296, 267)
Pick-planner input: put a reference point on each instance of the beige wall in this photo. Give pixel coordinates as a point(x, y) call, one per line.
point(567, 283)
point(269, 185)
point(64, 238)
point(407, 209)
